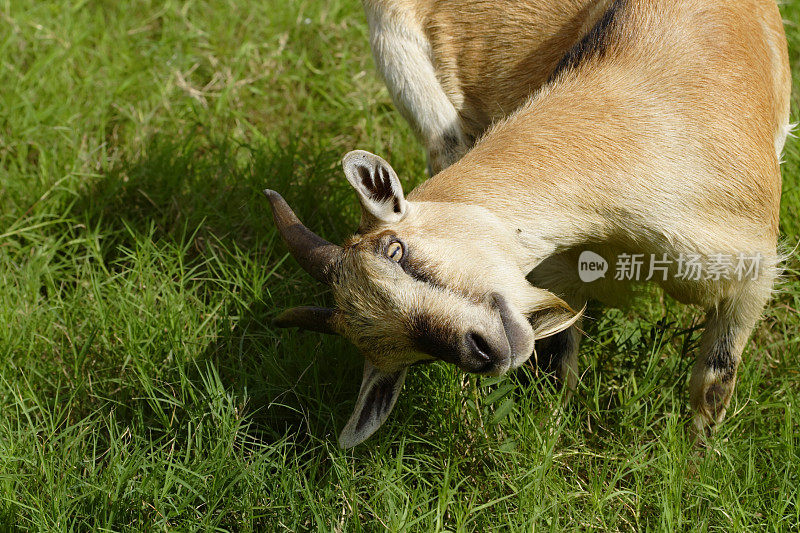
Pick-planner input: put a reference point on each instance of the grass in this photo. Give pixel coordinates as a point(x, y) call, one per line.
point(142, 387)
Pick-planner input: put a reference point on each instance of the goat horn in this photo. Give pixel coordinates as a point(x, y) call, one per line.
point(319, 319)
point(315, 254)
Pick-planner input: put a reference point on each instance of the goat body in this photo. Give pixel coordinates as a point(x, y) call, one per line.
point(630, 128)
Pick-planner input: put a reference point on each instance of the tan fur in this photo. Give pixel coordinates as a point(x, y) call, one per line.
point(668, 143)
point(489, 55)
point(533, 37)
point(665, 141)
point(375, 299)
point(679, 151)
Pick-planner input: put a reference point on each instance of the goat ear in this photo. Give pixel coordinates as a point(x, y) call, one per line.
point(377, 185)
point(552, 315)
point(378, 394)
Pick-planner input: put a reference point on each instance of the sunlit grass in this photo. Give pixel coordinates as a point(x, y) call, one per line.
point(143, 388)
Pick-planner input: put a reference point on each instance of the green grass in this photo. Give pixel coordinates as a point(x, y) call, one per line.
point(143, 388)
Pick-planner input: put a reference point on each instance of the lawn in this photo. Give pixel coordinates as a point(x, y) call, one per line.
point(142, 387)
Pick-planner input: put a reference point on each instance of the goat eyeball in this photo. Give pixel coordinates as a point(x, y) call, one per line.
point(395, 251)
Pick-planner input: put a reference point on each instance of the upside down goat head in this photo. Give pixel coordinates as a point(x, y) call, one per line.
point(419, 281)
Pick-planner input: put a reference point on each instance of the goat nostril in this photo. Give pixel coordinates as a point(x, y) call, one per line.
point(479, 346)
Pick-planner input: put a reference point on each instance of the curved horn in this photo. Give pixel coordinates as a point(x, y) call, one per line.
point(315, 254)
point(319, 319)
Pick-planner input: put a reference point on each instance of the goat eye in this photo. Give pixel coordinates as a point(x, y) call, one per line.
point(395, 251)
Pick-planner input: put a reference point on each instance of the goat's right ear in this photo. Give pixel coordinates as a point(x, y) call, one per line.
point(377, 185)
point(376, 398)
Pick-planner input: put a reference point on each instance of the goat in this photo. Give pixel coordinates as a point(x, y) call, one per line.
point(624, 127)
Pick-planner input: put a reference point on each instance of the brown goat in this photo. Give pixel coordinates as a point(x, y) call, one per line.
point(630, 128)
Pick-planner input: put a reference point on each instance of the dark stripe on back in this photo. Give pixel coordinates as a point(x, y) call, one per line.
point(595, 43)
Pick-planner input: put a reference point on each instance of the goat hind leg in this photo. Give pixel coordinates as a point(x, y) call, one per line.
point(403, 55)
point(728, 326)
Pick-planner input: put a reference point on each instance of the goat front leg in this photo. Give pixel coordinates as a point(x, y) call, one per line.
point(557, 356)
